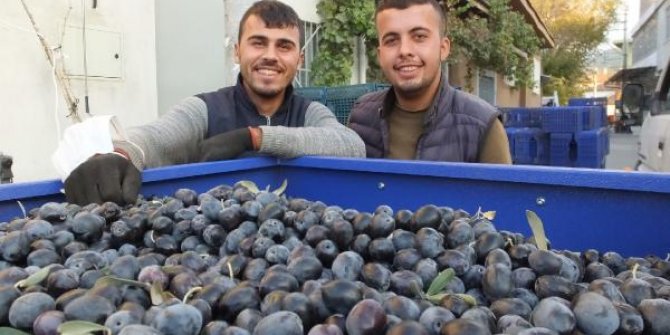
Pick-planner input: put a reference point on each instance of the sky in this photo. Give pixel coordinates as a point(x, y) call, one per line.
point(632, 7)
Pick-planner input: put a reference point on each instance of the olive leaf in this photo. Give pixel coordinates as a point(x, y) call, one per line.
point(538, 229)
point(489, 215)
point(78, 327)
point(156, 293)
point(281, 188)
point(437, 298)
point(116, 281)
point(441, 281)
point(634, 271)
point(467, 298)
point(191, 293)
point(35, 278)
point(11, 331)
point(250, 185)
point(230, 270)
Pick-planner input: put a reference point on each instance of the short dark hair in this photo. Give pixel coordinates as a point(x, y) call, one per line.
point(404, 4)
point(275, 14)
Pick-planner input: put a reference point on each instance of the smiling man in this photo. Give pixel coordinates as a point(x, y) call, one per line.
point(259, 114)
point(421, 116)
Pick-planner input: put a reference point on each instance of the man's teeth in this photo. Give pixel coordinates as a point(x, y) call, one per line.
point(267, 72)
point(408, 68)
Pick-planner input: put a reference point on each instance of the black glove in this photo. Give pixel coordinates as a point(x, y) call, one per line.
point(226, 146)
point(106, 177)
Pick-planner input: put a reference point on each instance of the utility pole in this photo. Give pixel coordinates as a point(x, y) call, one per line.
point(624, 48)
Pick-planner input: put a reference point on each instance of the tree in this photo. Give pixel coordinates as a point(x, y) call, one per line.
point(577, 27)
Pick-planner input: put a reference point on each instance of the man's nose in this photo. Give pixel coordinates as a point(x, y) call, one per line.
point(406, 47)
point(270, 53)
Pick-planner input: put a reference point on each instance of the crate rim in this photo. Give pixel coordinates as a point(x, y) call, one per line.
point(636, 181)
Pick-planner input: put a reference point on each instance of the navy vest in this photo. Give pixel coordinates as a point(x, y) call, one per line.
point(454, 130)
point(230, 108)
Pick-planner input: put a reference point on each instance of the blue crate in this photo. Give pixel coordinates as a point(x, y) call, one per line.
point(584, 208)
point(594, 117)
point(531, 146)
point(564, 119)
point(511, 138)
point(591, 148)
point(340, 99)
point(563, 149)
point(587, 102)
point(522, 117)
point(314, 93)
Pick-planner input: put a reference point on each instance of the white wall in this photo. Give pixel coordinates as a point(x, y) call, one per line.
point(28, 127)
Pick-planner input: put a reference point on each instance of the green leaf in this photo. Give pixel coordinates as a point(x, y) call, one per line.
point(281, 188)
point(250, 185)
point(538, 229)
point(468, 298)
point(11, 331)
point(35, 278)
point(441, 281)
point(81, 328)
point(116, 281)
point(436, 298)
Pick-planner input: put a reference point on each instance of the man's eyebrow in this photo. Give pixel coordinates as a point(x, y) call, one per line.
point(390, 34)
point(257, 37)
point(286, 40)
point(413, 30)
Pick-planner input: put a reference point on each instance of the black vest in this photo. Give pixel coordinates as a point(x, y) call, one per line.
point(454, 130)
point(230, 108)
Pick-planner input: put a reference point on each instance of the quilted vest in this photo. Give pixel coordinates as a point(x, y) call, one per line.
point(454, 129)
point(230, 108)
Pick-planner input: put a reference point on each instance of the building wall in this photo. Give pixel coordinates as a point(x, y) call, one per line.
point(33, 110)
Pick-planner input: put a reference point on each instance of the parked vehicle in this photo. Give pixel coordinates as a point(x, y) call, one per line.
point(654, 143)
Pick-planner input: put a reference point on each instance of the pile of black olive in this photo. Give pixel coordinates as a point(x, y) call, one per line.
point(235, 260)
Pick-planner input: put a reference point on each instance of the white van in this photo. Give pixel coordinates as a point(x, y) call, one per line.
point(654, 144)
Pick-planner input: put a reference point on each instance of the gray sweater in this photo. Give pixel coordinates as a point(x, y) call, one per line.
point(174, 138)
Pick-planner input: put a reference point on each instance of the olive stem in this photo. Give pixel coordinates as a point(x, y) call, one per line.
point(635, 270)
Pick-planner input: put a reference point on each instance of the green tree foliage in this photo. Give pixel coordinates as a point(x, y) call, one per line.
point(577, 27)
point(492, 42)
point(343, 21)
point(497, 41)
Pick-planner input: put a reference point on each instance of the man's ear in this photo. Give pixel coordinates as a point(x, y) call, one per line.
point(445, 48)
point(301, 59)
point(237, 53)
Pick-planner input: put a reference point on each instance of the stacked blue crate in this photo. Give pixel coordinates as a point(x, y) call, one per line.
point(564, 119)
point(314, 93)
point(511, 137)
point(522, 117)
point(563, 150)
point(591, 148)
point(340, 99)
point(531, 146)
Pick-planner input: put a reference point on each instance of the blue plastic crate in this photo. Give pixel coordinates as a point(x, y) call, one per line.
point(314, 93)
point(587, 102)
point(522, 117)
point(531, 146)
point(563, 149)
point(590, 148)
point(511, 138)
point(340, 99)
point(584, 208)
point(563, 119)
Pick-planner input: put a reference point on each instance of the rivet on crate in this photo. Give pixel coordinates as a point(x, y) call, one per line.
point(540, 201)
point(381, 185)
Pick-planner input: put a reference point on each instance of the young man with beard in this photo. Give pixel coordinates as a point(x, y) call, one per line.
point(421, 117)
point(259, 114)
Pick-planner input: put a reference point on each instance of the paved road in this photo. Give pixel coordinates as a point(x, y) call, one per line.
point(623, 150)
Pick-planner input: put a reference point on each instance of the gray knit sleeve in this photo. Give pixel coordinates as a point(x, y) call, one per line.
point(322, 135)
point(172, 139)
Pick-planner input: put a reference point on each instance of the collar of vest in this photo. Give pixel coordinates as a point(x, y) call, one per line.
point(443, 91)
point(245, 101)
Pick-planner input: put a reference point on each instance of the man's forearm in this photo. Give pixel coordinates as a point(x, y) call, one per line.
point(321, 135)
point(172, 139)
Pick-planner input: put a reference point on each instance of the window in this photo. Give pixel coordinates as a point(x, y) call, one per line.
point(310, 45)
point(487, 86)
point(644, 41)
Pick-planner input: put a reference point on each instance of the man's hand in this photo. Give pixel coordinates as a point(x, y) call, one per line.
point(226, 146)
point(106, 177)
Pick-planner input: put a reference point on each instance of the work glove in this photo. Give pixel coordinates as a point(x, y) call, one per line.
point(228, 145)
point(105, 177)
